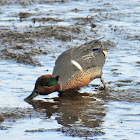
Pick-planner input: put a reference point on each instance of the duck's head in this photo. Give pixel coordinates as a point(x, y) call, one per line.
point(45, 85)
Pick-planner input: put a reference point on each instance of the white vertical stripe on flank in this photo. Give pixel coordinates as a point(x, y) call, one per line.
point(77, 65)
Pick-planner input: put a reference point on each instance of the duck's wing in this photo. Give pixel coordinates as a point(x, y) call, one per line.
point(89, 55)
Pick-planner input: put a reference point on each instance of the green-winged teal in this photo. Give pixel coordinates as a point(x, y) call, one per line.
point(73, 69)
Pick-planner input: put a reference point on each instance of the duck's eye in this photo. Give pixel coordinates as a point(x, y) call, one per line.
point(96, 50)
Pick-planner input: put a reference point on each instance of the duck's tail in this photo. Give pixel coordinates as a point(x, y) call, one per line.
point(105, 52)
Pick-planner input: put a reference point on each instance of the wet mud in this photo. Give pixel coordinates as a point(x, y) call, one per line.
point(22, 47)
point(32, 35)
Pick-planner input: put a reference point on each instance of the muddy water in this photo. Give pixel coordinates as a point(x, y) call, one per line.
point(32, 35)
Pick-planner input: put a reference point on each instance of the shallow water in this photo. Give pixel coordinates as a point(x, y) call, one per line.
point(33, 34)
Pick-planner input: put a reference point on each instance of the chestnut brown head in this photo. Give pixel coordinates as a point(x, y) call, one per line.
point(45, 85)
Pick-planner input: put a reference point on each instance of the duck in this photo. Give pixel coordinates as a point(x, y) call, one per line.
point(74, 68)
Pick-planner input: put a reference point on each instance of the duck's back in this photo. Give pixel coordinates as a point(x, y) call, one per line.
point(89, 56)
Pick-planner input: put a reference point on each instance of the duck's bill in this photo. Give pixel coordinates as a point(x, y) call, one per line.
point(33, 95)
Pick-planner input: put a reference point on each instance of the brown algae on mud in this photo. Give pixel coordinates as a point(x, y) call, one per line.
point(69, 131)
point(24, 46)
point(8, 114)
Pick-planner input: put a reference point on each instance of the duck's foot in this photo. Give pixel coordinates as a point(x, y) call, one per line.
point(100, 88)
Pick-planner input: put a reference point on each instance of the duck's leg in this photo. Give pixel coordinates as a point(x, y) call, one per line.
point(103, 82)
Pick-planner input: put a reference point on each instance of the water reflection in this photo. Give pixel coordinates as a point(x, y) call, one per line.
point(79, 114)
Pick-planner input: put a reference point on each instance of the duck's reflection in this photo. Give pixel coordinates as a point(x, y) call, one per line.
point(74, 110)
